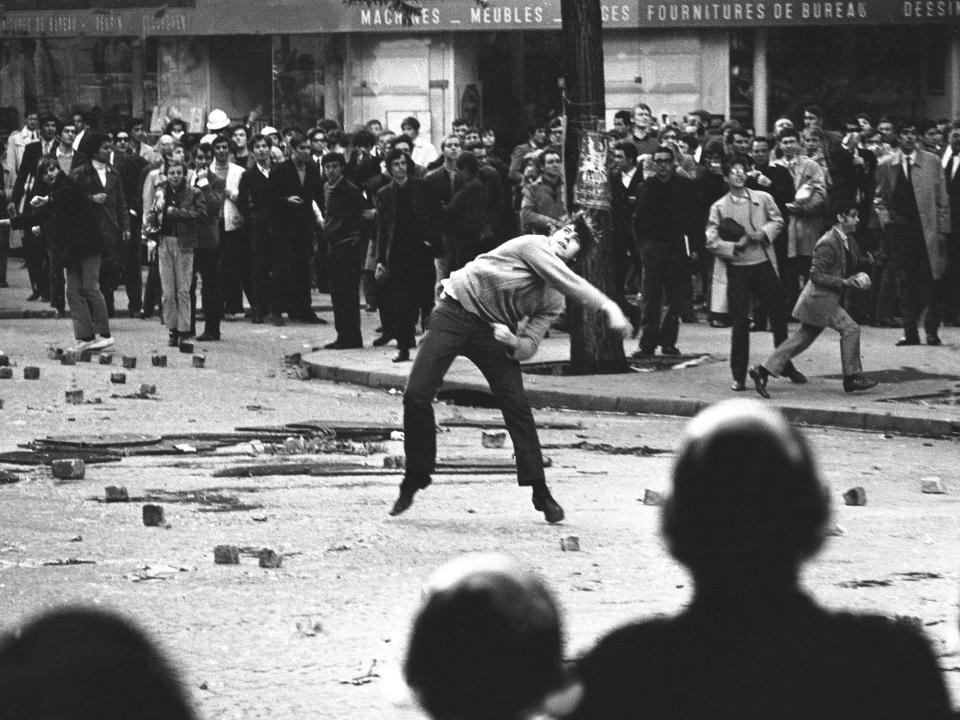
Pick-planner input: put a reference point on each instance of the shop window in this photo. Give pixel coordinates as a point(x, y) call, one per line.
point(299, 79)
point(61, 75)
point(937, 62)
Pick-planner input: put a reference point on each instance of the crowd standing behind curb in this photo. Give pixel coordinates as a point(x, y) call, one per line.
point(264, 215)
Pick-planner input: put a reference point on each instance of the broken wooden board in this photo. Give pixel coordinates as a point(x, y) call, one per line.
point(641, 450)
point(47, 456)
point(495, 424)
point(347, 469)
point(99, 441)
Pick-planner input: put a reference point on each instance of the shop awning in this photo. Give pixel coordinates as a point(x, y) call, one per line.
point(33, 18)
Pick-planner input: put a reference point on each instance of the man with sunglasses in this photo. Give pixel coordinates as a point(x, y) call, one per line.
point(131, 165)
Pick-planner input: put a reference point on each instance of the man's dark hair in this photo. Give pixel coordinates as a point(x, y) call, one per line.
point(460, 121)
point(584, 232)
point(789, 132)
point(628, 148)
point(333, 157)
point(624, 115)
point(866, 117)
point(411, 122)
point(474, 146)
point(316, 131)
point(392, 155)
point(168, 129)
point(843, 206)
point(92, 142)
point(328, 125)
point(733, 132)
point(714, 146)
point(532, 128)
point(257, 138)
point(664, 150)
point(131, 123)
point(770, 142)
point(220, 139)
point(56, 666)
point(364, 139)
point(737, 159)
point(487, 645)
point(46, 118)
point(746, 493)
point(692, 141)
point(908, 124)
point(297, 138)
point(204, 147)
point(291, 129)
point(549, 150)
point(814, 110)
point(468, 161)
point(926, 124)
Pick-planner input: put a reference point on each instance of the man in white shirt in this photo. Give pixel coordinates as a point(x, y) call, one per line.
point(424, 152)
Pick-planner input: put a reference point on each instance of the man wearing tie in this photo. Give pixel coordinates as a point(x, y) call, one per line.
point(951, 279)
point(34, 248)
point(913, 208)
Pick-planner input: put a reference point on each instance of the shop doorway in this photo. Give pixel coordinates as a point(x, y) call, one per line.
point(880, 71)
point(519, 73)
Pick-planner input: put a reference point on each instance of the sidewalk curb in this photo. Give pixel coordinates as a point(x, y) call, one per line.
point(877, 422)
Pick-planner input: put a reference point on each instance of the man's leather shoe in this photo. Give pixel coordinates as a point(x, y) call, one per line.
point(642, 354)
point(33, 296)
point(934, 340)
point(208, 336)
point(670, 350)
point(854, 383)
point(760, 375)
point(544, 502)
point(173, 339)
point(277, 319)
point(312, 318)
point(402, 356)
point(908, 341)
point(795, 376)
point(335, 345)
point(403, 502)
point(382, 340)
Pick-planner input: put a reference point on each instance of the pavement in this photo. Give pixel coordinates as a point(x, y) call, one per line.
point(918, 394)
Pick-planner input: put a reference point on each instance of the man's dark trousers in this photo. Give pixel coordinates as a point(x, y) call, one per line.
point(454, 331)
point(206, 264)
point(918, 287)
point(666, 271)
point(344, 263)
point(743, 283)
point(130, 260)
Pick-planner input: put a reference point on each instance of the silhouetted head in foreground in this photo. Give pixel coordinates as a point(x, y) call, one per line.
point(80, 664)
point(487, 644)
point(747, 504)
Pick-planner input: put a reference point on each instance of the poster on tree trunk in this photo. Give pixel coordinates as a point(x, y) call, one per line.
point(590, 190)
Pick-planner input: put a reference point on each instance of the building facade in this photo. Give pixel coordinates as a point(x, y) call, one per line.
point(294, 61)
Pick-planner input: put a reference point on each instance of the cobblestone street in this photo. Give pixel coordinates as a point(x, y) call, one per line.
point(319, 637)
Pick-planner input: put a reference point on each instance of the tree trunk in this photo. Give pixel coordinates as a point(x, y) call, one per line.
point(593, 348)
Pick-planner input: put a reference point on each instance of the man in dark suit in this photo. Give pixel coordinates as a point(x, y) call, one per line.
point(466, 215)
point(951, 279)
point(34, 246)
point(669, 234)
point(206, 254)
point(103, 185)
point(625, 181)
point(344, 232)
point(408, 238)
point(913, 208)
point(833, 271)
point(254, 203)
point(296, 192)
point(131, 166)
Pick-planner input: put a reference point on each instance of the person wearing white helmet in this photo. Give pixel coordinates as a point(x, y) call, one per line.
point(217, 120)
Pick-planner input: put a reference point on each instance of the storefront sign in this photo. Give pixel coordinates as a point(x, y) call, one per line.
point(591, 189)
point(32, 18)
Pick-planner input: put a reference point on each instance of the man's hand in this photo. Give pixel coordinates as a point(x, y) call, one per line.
point(125, 235)
point(369, 214)
point(39, 201)
point(381, 272)
point(295, 200)
point(11, 208)
point(99, 198)
point(757, 236)
point(151, 250)
point(616, 320)
point(503, 335)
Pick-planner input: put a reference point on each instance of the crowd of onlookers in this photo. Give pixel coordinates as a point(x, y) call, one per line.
point(747, 509)
point(261, 216)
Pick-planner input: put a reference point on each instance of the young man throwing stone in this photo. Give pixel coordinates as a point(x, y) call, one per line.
point(478, 316)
